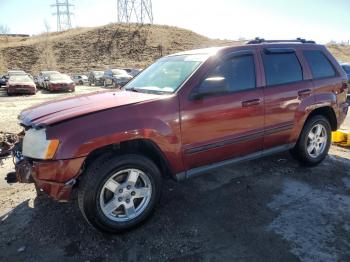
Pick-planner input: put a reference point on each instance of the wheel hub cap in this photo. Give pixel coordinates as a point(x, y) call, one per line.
point(316, 140)
point(125, 195)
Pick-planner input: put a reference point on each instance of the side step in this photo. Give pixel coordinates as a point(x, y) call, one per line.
point(341, 137)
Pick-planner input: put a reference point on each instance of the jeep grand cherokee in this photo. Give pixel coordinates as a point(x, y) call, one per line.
point(185, 114)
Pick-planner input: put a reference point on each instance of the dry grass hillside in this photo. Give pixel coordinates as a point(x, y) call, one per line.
point(113, 45)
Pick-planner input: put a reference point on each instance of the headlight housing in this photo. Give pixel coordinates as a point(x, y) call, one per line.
point(35, 144)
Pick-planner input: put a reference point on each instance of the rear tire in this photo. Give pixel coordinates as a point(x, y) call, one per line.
point(314, 141)
point(118, 193)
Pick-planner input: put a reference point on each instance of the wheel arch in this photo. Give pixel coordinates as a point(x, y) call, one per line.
point(144, 147)
point(327, 112)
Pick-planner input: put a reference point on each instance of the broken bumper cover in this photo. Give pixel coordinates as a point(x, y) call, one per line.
point(55, 177)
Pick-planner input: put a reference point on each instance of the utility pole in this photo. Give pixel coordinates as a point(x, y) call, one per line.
point(63, 14)
point(139, 11)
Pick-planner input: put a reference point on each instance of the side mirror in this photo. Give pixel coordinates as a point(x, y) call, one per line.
point(210, 86)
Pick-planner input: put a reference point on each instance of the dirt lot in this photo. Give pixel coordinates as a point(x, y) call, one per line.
point(271, 209)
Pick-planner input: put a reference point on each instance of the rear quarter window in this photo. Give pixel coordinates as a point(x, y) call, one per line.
point(346, 69)
point(281, 68)
point(319, 64)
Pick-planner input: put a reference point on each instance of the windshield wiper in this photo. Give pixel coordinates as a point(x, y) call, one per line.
point(148, 91)
point(133, 89)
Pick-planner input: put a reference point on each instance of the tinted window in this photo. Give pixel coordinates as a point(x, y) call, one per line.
point(281, 68)
point(346, 69)
point(319, 64)
point(232, 75)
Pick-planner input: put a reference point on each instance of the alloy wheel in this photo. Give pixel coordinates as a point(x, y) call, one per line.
point(125, 195)
point(317, 140)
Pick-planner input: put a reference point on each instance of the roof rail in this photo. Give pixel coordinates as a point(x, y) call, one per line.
point(259, 40)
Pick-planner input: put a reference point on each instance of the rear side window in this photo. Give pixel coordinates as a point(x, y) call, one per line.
point(346, 69)
point(232, 75)
point(281, 68)
point(319, 64)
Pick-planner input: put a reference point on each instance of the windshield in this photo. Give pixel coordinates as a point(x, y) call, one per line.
point(14, 73)
point(98, 73)
point(119, 72)
point(48, 73)
point(20, 78)
point(167, 74)
point(59, 77)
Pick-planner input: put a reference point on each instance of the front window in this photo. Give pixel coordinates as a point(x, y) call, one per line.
point(98, 73)
point(119, 72)
point(167, 74)
point(59, 77)
point(20, 78)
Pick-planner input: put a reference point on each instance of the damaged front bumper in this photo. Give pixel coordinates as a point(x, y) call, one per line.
point(55, 177)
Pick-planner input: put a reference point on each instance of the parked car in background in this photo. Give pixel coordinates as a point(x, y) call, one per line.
point(346, 67)
point(80, 79)
point(36, 81)
point(96, 78)
point(132, 71)
point(60, 82)
point(3, 80)
point(20, 84)
point(43, 78)
point(115, 77)
point(186, 114)
point(13, 73)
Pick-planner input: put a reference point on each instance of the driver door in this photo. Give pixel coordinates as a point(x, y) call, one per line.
point(224, 116)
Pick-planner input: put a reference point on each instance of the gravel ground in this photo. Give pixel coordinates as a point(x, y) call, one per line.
point(270, 209)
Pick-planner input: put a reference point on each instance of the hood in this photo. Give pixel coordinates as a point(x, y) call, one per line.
point(56, 111)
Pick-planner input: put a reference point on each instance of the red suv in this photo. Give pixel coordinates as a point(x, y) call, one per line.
point(185, 114)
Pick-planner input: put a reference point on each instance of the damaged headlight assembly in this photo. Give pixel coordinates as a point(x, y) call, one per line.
point(35, 144)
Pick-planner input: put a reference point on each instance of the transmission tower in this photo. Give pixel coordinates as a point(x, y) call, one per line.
point(63, 14)
point(139, 11)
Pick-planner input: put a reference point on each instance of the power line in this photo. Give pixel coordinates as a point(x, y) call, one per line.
point(139, 11)
point(63, 14)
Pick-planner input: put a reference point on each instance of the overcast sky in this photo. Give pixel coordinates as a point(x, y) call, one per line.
point(320, 20)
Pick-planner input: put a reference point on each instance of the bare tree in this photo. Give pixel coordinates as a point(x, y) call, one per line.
point(47, 57)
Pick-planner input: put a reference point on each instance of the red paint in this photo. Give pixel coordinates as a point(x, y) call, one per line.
point(180, 126)
point(21, 88)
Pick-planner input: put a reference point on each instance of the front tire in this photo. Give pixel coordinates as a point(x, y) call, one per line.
point(118, 193)
point(314, 141)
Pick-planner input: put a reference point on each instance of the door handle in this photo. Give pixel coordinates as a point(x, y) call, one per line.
point(305, 92)
point(252, 102)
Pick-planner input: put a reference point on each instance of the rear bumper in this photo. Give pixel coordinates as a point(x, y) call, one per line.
point(56, 177)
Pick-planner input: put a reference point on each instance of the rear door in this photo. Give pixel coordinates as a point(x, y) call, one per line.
point(223, 118)
point(285, 88)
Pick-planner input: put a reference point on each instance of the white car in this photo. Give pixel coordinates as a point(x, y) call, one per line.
point(80, 79)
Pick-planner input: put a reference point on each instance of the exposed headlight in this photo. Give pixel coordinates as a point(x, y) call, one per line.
point(35, 145)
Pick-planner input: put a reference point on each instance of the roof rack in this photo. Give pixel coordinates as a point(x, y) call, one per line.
point(259, 40)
